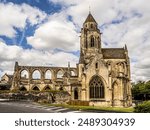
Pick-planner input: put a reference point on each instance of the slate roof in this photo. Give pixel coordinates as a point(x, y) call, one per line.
point(113, 53)
point(90, 18)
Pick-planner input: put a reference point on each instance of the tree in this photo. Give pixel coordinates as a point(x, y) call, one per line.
point(141, 90)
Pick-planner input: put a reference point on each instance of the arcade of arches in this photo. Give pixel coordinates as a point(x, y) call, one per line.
point(102, 76)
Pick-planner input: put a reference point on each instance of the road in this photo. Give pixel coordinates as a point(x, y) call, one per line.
point(30, 107)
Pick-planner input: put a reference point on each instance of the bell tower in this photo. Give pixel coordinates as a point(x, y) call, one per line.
point(90, 40)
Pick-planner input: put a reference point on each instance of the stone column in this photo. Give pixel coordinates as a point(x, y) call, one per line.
point(30, 80)
point(42, 76)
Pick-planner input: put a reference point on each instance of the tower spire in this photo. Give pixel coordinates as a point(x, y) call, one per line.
point(89, 9)
point(90, 18)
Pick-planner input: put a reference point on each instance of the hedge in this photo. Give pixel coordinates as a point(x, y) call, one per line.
point(143, 108)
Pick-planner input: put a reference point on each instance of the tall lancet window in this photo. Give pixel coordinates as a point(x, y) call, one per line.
point(98, 40)
point(92, 41)
point(86, 46)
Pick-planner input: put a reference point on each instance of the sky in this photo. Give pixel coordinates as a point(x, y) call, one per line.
point(46, 32)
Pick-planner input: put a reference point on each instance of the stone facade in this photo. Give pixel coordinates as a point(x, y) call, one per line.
point(101, 77)
point(6, 81)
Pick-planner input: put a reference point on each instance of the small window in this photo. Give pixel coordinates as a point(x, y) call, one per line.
point(91, 25)
point(92, 41)
point(96, 65)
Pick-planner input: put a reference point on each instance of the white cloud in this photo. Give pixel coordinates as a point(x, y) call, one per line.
point(66, 2)
point(131, 27)
point(10, 54)
point(15, 16)
point(56, 33)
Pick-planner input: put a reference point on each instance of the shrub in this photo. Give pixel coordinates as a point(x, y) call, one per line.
point(143, 108)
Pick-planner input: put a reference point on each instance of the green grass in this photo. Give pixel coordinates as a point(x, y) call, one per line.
point(94, 108)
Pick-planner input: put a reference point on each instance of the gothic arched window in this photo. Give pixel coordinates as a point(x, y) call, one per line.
point(96, 88)
point(48, 74)
point(36, 74)
point(24, 74)
point(59, 74)
point(91, 25)
point(92, 41)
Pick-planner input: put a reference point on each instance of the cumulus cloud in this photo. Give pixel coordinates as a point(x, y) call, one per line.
point(65, 2)
point(15, 16)
point(121, 22)
point(10, 54)
point(57, 33)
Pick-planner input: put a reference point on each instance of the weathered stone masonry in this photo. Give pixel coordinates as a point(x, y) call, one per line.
point(102, 76)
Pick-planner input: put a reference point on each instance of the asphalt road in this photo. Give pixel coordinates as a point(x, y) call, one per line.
point(30, 107)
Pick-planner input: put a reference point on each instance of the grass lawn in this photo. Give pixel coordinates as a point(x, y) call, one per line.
point(94, 108)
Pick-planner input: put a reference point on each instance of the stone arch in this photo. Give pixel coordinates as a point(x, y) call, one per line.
point(59, 74)
point(48, 74)
point(115, 88)
point(96, 88)
point(76, 94)
point(23, 88)
point(36, 74)
point(47, 88)
point(61, 88)
point(35, 88)
point(24, 74)
point(115, 93)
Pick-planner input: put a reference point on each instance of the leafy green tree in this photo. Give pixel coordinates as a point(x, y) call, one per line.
point(141, 90)
point(143, 108)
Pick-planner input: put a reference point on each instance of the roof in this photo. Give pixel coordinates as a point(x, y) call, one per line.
point(90, 18)
point(10, 76)
point(113, 53)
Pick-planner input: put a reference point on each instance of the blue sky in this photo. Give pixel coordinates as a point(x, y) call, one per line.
point(48, 30)
point(44, 5)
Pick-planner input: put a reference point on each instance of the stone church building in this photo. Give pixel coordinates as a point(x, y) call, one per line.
point(101, 77)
